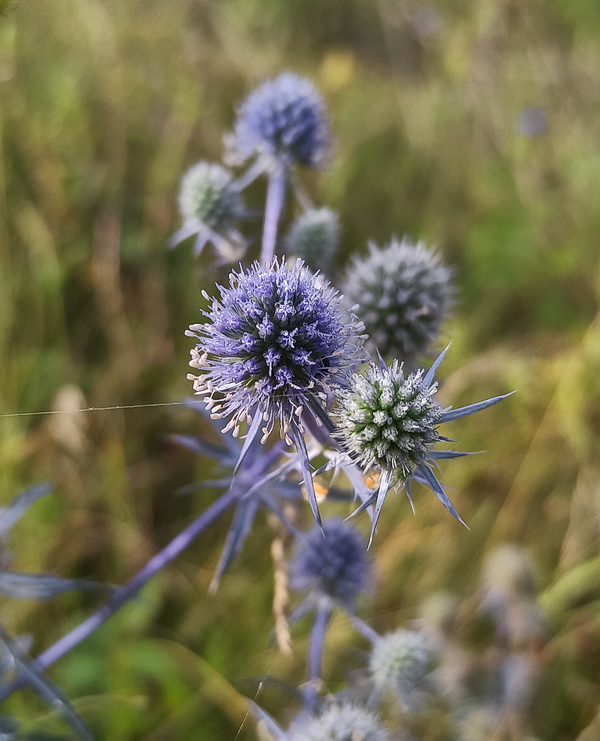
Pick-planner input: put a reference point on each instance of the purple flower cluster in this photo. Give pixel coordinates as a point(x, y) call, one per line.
point(276, 342)
point(285, 120)
point(335, 565)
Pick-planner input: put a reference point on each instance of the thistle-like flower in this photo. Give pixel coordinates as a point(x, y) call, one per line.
point(314, 237)
point(210, 203)
point(345, 722)
point(275, 344)
point(284, 120)
point(404, 293)
point(399, 663)
point(388, 423)
point(335, 566)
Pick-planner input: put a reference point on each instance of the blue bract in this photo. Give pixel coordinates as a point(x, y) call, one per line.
point(284, 119)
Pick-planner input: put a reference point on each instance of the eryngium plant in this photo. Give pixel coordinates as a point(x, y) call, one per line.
point(276, 344)
point(388, 423)
point(284, 121)
point(403, 293)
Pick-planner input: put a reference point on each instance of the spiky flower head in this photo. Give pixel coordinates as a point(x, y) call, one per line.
point(276, 342)
point(208, 194)
point(404, 293)
point(314, 236)
point(388, 422)
point(331, 562)
point(285, 120)
point(346, 722)
point(399, 663)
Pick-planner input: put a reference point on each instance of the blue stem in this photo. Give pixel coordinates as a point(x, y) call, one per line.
point(273, 207)
point(123, 595)
point(315, 651)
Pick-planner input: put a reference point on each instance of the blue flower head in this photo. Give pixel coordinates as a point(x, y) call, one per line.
point(404, 293)
point(276, 343)
point(388, 423)
point(334, 566)
point(285, 120)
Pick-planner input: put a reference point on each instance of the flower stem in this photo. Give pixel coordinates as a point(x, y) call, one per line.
point(315, 651)
point(273, 207)
point(123, 595)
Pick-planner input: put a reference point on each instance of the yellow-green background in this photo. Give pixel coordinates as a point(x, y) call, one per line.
point(103, 105)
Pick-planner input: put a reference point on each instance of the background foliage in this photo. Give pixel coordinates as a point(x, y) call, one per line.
point(471, 125)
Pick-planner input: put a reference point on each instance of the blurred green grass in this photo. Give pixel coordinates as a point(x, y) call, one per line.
point(103, 106)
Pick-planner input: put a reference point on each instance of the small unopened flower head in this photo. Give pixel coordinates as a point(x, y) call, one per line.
point(276, 342)
point(399, 663)
point(346, 722)
point(314, 236)
point(404, 293)
point(207, 194)
point(388, 421)
point(335, 566)
point(285, 120)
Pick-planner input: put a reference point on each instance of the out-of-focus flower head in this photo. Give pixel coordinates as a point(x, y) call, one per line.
point(331, 563)
point(314, 237)
point(388, 423)
point(210, 203)
point(403, 293)
point(399, 663)
point(284, 121)
point(345, 722)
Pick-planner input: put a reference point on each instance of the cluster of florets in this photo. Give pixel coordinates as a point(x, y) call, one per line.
point(276, 342)
point(388, 421)
point(346, 722)
point(332, 561)
point(404, 293)
point(399, 663)
point(314, 237)
point(209, 195)
point(285, 120)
